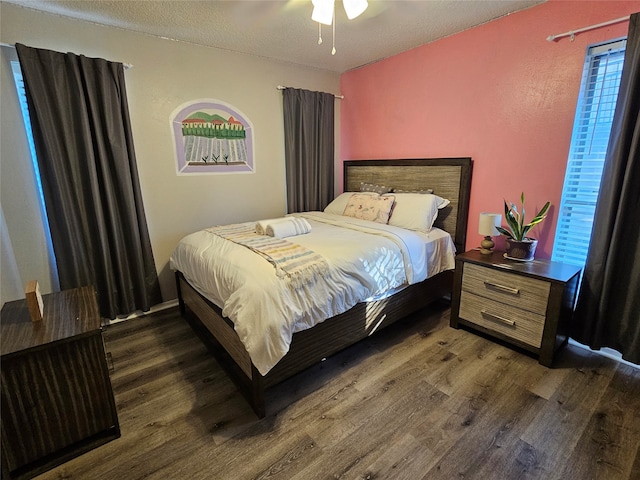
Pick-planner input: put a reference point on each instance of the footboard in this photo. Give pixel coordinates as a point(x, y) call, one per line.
point(307, 347)
point(217, 333)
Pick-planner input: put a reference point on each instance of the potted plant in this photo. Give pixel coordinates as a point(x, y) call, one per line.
point(517, 245)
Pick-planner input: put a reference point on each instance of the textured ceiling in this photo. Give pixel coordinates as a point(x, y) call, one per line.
point(283, 29)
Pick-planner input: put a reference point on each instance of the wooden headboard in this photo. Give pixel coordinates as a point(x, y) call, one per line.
point(449, 178)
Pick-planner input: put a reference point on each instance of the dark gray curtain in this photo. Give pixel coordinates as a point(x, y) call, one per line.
point(308, 148)
point(608, 308)
point(82, 133)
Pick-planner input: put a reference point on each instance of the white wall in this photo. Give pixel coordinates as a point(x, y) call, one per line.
point(165, 75)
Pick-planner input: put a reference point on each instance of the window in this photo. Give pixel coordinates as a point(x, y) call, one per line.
point(591, 131)
point(22, 97)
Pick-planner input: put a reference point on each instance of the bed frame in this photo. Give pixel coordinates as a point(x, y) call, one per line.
point(448, 177)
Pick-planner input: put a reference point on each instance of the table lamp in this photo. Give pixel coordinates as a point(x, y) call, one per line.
point(487, 227)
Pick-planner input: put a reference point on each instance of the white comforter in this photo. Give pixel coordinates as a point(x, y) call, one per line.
point(366, 260)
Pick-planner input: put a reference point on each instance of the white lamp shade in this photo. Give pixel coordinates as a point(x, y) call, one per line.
point(488, 223)
point(323, 11)
point(353, 8)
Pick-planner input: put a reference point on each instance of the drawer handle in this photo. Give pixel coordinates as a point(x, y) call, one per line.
point(502, 288)
point(498, 318)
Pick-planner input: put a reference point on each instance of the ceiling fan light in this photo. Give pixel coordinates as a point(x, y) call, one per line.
point(323, 11)
point(353, 8)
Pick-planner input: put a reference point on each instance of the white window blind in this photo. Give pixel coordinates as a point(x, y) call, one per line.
point(22, 98)
point(591, 131)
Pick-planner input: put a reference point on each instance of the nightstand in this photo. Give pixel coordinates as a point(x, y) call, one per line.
point(56, 395)
point(526, 304)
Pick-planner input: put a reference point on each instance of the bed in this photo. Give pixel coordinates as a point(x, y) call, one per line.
point(449, 178)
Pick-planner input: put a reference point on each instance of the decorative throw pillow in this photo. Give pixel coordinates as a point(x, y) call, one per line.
point(338, 204)
point(416, 211)
point(371, 187)
point(369, 207)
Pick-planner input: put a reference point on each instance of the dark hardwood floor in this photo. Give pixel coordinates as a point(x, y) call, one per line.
point(418, 400)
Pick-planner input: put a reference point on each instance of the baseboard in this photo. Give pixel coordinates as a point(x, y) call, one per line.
point(605, 352)
point(156, 308)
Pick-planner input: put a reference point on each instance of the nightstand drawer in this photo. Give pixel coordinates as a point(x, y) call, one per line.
point(513, 322)
point(512, 289)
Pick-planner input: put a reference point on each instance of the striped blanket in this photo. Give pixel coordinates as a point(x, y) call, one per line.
point(294, 263)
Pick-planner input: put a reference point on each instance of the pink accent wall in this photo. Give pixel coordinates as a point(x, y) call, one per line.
point(499, 93)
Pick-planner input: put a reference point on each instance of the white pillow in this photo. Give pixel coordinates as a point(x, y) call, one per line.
point(338, 205)
point(416, 211)
point(428, 190)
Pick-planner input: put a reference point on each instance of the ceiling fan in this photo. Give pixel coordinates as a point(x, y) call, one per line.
point(325, 14)
point(324, 10)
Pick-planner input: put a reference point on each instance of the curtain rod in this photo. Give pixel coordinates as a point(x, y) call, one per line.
point(282, 87)
point(127, 66)
point(572, 33)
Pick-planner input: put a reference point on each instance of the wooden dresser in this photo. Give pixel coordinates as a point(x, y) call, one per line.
point(527, 304)
point(56, 396)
